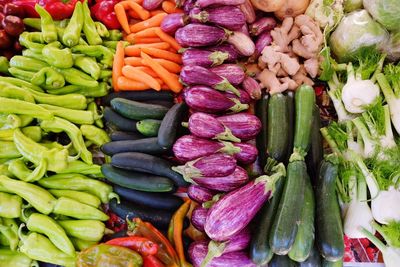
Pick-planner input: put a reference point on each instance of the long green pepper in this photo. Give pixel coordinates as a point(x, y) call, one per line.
point(72, 32)
point(75, 209)
point(48, 27)
point(96, 135)
point(21, 171)
point(10, 205)
point(15, 106)
point(15, 259)
point(88, 65)
point(72, 115)
point(89, 27)
point(82, 197)
point(9, 229)
point(87, 230)
point(28, 63)
point(77, 77)
point(48, 78)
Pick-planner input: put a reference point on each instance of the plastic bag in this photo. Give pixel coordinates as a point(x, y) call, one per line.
point(386, 12)
point(325, 13)
point(392, 47)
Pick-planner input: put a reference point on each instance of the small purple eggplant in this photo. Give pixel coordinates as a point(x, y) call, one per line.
point(206, 126)
point(172, 22)
point(198, 218)
point(263, 40)
point(232, 72)
point(205, 3)
point(188, 5)
point(248, 153)
point(229, 17)
point(252, 87)
point(262, 24)
point(192, 75)
point(217, 165)
point(203, 58)
point(151, 4)
point(243, 125)
point(244, 30)
point(202, 98)
point(248, 11)
point(226, 48)
point(198, 251)
point(242, 43)
point(200, 194)
point(225, 183)
point(234, 211)
point(243, 98)
point(199, 35)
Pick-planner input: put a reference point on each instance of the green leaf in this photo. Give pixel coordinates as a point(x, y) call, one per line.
point(326, 66)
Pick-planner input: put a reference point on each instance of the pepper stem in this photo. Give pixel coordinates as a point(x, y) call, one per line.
point(34, 264)
point(21, 236)
point(114, 195)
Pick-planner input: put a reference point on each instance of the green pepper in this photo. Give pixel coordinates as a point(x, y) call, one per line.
point(32, 40)
point(15, 259)
point(96, 135)
point(48, 27)
point(9, 229)
point(4, 241)
point(10, 91)
point(8, 150)
point(80, 244)
point(34, 23)
point(89, 66)
point(21, 74)
point(87, 230)
point(4, 65)
point(49, 227)
point(73, 30)
point(58, 125)
point(102, 30)
point(105, 75)
point(72, 115)
point(27, 63)
point(81, 167)
point(10, 205)
point(28, 53)
point(57, 159)
point(98, 91)
point(93, 108)
point(21, 171)
point(89, 27)
point(68, 89)
point(9, 121)
point(82, 197)
point(16, 106)
point(20, 83)
point(77, 77)
point(39, 247)
point(4, 171)
point(57, 57)
point(48, 78)
point(115, 35)
point(75, 209)
point(33, 132)
point(38, 197)
point(98, 51)
point(74, 181)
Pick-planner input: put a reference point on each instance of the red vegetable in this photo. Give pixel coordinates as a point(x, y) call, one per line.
point(103, 11)
point(13, 25)
point(58, 9)
point(140, 244)
point(152, 261)
point(13, 9)
point(5, 40)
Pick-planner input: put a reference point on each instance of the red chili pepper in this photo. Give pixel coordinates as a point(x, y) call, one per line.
point(140, 244)
point(28, 6)
point(103, 11)
point(152, 261)
point(58, 9)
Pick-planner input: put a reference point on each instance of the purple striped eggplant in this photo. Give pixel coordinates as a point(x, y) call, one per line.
point(196, 35)
point(203, 58)
point(262, 24)
point(248, 153)
point(242, 43)
point(226, 48)
point(205, 3)
point(198, 218)
point(206, 126)
point(233, 212)
point(244, 96)
point(232, 72)
point(217, 165)
point(248, 11)
point(252, 87)
point(172, 22)
point(198, 251)
point(243, 125)
point(192, 75)
point(206, 99)
point(263, 40)
point(188, 5)
point(200, 194)
point(245, 30)
point(151, 4)
point(225, 183)
point(221, 16)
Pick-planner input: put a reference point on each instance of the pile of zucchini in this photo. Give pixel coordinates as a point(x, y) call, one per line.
point(306, 200)
point(143, 127)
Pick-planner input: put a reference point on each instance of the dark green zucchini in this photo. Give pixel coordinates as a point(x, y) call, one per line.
point(120, 136)
point(136, 110)
point(291, 118)
point(314, 260)
point(315, 153)
point(145, 145)
point(164, 201)
point(338, 263)
point(328, 221)
point(147, 163)
point(260, 251)
point(281, 261)
point(148, 127)
point(147, 95)
point(136, 180)
point(118, 121)
point(164, 103)
point(262, 114)
point(170, 124)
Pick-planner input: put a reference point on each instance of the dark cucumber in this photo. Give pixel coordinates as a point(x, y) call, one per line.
point(147, 163)
point(137, 180)
point(148, 127)
point(170, 124)
point(163, 201)
point(314, 260)
point(328, 221)
point(304, 241)
point(120, 136)
point(287, 217)
point(164, 103)
point(260, 251)
point(129, 211)
point(315, 153)
point(281, 261)
point(291, 118)
point(139, 96)
point(262, 114)
point(118, 121)
point(136, 110)
point(145, 145)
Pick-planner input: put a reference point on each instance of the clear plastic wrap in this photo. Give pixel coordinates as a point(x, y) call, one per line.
point(392, 47)
point(386, 12)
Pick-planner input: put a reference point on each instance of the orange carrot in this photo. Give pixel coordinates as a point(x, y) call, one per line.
point(169, 79)
point(121, 16)
point(118, 64)
point(149, 32)
point(159, 53)
point(169, 65)
point(126, 84)
point(155, 12)
point(133, 14)
point(166, 38)
point(151, 22)
point(170, 7)
point(147, 40)
point(140, 76)
point(133, 61)
point(142, 13)
point(134, 50)
point(149, 71)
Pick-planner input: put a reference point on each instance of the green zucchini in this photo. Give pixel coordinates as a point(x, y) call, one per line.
point(315, 153)
point(287, 218)
point(146, 95)
point(338, 263)
point(260, 251)
point(291, 118)
point(304, 241)
point(170, 124)
point(119, 121)
point(314, 260)
point(136, 110)
point(148, 127)
point(120, 136)
point(146, 145)
point(281, 261)
point(328, 221)
point(262, 114)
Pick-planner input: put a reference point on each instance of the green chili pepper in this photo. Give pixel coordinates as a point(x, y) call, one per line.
point(74, 28)
point(9, 121)
point(21, 74)
point(4, 64)
point(68, 89)
point(4, 171)
point(49, 227)
point(115, 35)
point(61, 125)
point(98, 51)
point(80, 244)
point(97, 91)
point(105, 75)
point(75, 209)
point(27, 63)
point(87, 230)
point(15, 259)
point(32, 40)
point(22, 172)
point(88, 65)
point(8, 150)
point(4, 241)
point(16, 106)
point(34, 23)
point(20, 83)
point(48, 27)
point(33, 132)
point(93, 108)
point(11, 91)
point(62, 23)
point(25, 119)
point(81, 167)
point(82, 197)
point(48, 78)
point(74, 181)
point(28, 53)
point(10, 205)
point(96, 135)
point(89, 27)
point(77, 77)
point(9, 229)
point(72, 115)
point(102, 30)
point(39, 247)
point(57, 57)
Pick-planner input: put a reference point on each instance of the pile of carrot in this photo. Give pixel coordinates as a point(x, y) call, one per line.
point(151, 61)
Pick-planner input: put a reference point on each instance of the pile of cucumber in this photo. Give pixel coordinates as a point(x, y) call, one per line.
point(144, 127)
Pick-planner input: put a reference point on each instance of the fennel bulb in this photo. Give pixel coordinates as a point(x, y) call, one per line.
point(384, 205)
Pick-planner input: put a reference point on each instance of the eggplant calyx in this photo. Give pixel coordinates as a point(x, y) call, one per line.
point(279, 171)
point(202, 16)
point(229, 148)
point(215, 249)
point(218, 57)
point(188, 171)
point(227, 135)
point(225, 85)
point(238, 105)
point(210, 203)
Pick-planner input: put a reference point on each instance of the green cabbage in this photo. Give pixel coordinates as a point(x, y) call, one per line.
point(327, 13)
point(351, 5)
point(357, 29)
point(386, 12)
